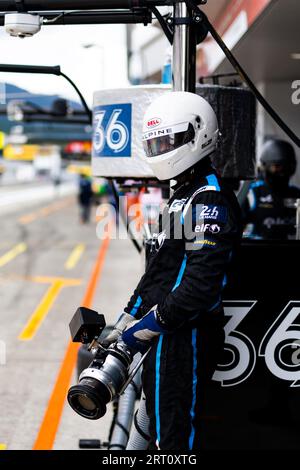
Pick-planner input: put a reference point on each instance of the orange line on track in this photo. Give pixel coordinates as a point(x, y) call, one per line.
point(50, 423)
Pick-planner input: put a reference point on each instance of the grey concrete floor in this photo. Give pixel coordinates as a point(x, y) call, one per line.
point(31, 367)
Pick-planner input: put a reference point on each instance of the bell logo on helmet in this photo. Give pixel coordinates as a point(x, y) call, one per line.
point(153, 122)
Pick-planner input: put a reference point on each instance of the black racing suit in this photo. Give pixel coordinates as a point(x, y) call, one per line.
point(186, 272)
point(268, 214)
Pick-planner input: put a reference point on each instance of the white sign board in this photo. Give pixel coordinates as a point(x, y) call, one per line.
point(117, 131)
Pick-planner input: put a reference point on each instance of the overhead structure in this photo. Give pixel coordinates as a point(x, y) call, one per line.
point(188, 26)
point(48, 70)
point(134, 16)
point(184, 49)
point(40, 5)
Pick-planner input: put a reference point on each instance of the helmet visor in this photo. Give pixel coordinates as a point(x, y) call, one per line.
point(158, 142)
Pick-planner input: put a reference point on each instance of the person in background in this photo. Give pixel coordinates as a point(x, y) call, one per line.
point(269, 211)
point(85, 198)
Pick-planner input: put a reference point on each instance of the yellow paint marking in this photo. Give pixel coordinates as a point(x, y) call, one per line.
point(10, 255)
point(74, 256)
point(43, 308)
point(2, 447)
point(49, 280)
point(44, 211)
point(41, 279)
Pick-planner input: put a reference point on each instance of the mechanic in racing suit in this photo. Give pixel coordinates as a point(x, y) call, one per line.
point(269, 210)
point(177, 305)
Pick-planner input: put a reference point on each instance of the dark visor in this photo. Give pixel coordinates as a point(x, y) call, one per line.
point(169, 142)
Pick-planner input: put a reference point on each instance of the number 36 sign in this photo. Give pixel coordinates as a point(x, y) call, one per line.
point(279, 347)
point(112, 131)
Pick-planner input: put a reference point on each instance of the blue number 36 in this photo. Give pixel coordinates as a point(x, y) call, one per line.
point(112, 131)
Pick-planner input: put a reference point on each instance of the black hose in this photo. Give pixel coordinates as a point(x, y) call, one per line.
point(164, 26)
point(48, 70)
point(84, 103)
point(244, 76)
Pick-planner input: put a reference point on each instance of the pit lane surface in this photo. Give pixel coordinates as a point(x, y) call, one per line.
point(47, 267)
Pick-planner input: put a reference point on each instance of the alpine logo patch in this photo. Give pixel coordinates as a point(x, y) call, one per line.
point(177, 205)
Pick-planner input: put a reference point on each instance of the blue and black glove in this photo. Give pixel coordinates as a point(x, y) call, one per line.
point(118, 329)
point(139, 334)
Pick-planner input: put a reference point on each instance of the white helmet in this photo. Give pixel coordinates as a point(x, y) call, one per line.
point(179, 129)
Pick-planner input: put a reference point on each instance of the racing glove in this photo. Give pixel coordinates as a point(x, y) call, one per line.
point(119, 327)
point(139, 334)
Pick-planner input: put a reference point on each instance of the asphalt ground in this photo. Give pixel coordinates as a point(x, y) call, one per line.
point(49, 265)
